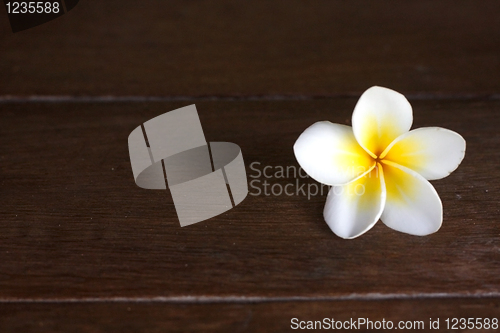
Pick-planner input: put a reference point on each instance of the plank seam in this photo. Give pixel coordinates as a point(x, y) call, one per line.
point(253, 299)
point(137, 98)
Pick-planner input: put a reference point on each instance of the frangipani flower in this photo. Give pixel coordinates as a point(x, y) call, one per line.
point(379, 169)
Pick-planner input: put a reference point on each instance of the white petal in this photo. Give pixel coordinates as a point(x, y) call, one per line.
point(354, 208)
point(380, 116)
point(433, 152)
point(413, 205)
point(330, 154)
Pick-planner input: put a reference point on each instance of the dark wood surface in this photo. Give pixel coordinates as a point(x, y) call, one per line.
point(229, 317)
point(82, 248)
point(289, 47)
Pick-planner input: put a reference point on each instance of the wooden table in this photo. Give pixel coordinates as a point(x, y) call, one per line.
point(83, 249)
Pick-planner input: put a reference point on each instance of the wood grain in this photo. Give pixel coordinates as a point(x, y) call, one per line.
point(73, 224)
point(83, 249)
point(254, 317)
point(292, 47)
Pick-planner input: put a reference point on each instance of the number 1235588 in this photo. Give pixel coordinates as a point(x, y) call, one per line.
point(38, 7)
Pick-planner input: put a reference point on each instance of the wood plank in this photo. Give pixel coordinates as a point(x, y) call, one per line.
point(259, 317)
point(172, 48)
point(73, 223)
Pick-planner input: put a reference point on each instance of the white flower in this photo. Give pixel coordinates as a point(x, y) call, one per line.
point(378, 168)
